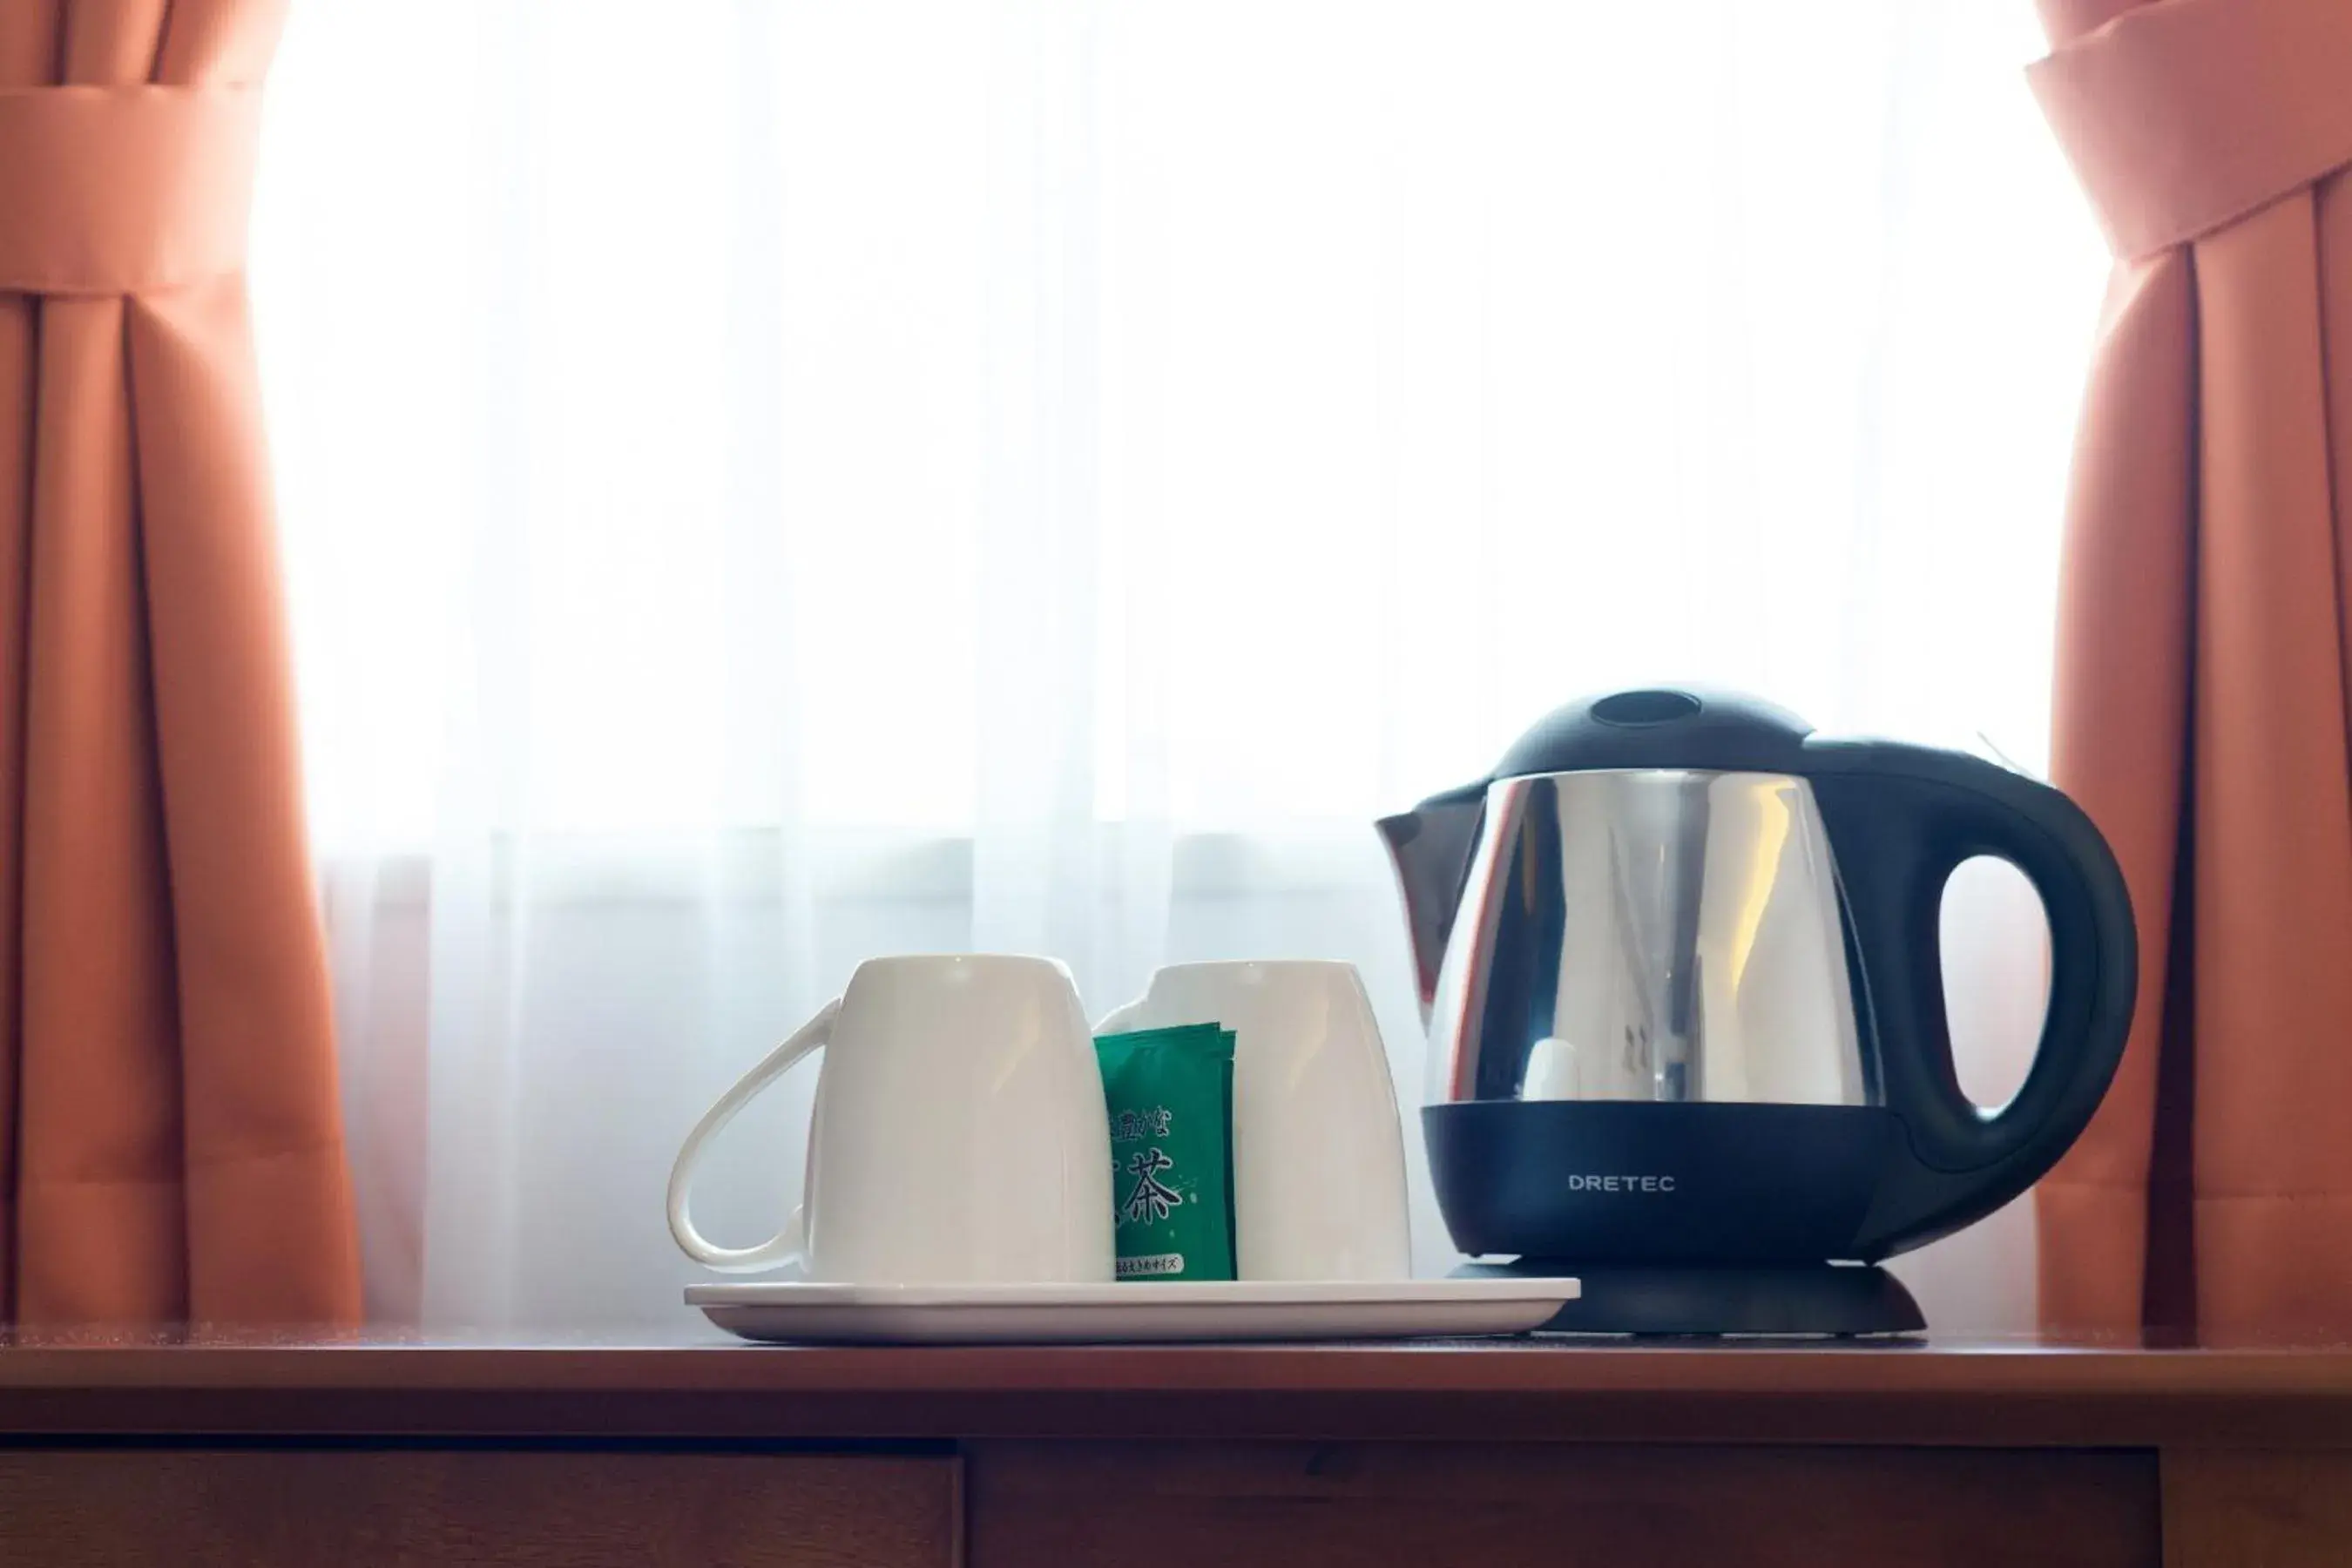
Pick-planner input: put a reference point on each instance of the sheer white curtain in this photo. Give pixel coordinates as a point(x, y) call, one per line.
point(768, 483)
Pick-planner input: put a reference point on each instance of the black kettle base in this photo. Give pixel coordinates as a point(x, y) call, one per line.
point(1816, 1300)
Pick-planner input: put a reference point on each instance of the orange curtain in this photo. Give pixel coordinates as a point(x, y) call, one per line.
point(2205, 662)
point(169, 1144)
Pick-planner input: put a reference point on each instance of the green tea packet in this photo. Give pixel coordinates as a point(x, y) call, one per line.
point(1171, 1094)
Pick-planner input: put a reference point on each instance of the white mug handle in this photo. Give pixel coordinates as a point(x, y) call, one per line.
point(786, 1245)
point(1119, 1019)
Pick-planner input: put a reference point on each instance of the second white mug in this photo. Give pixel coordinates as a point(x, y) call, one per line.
point(1318, 1153)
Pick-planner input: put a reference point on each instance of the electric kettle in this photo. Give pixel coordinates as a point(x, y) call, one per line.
point(1679, 961)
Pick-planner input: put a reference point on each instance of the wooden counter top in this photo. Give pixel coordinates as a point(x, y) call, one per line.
point(1510, 1453)
point(1935, 1393)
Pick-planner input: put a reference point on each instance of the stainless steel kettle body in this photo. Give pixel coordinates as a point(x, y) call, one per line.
point(1683, 992)
point(1651, 935)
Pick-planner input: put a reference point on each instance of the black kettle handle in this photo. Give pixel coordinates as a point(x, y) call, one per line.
point(1900, 820)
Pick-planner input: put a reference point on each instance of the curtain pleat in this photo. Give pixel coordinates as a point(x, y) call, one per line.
point(2272, 1226)
point(260, 1136)
point(28, 55)
point(2120, 716)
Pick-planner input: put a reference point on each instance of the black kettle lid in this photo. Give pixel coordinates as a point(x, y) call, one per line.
point(1661, 727)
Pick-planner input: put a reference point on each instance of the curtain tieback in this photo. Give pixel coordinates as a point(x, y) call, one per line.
point(2182, 116)
point(124, 190)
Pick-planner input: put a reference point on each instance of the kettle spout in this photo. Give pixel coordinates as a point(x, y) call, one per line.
point(1430, 846)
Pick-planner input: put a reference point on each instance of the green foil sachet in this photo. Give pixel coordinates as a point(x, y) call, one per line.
point(1171, 1094)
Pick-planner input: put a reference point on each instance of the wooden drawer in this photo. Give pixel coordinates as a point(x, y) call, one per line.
point(2274, 1508)
point(1179, 1505)
point(128, 1508)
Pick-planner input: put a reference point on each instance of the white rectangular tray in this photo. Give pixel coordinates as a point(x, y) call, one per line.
point(800, 1311)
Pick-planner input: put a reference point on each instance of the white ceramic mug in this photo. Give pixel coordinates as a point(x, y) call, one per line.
point(959, 1135)
point(1318, 1154)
